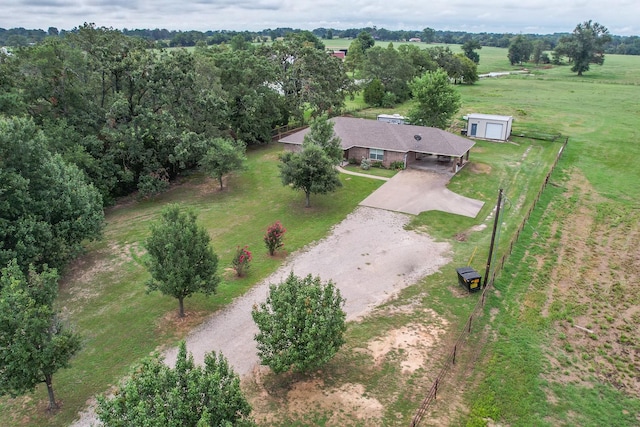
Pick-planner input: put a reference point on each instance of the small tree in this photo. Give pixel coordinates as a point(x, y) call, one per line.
point(373, 93)
point(241, 261)
point(321, 133)
point(301, 324)
point(180, 260)
point(311, 171)
point(34, 344)
point(274, 237)
point(223, 157)
point(188, 395)
point(436, 100)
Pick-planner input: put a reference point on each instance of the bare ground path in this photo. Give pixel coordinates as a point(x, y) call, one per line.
point(369, 256)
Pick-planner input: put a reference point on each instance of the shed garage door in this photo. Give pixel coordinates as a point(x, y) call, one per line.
point(494, 131)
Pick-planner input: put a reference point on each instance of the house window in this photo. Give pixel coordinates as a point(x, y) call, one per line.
point(375, 154)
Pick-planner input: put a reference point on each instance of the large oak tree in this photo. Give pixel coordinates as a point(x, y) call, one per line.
point(584, 46)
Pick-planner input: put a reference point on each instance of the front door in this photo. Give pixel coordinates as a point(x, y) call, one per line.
point(474, 129)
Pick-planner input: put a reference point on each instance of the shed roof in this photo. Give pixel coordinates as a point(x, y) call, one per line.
point(355, 132)
point(489, 117)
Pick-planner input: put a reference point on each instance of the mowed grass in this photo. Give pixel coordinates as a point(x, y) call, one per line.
point(104, 293)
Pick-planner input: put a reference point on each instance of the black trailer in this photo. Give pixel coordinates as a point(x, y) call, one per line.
point(469, 278)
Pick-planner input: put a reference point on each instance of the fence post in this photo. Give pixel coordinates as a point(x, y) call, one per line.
point(470, 320)
point(435, 391)
point(454, 353)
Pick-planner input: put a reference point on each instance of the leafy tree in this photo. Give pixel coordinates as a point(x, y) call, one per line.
point(428, 35)
point(467, 71)
point(420, 59)
point(224, 156)
point(321, 133)
point(355, 56)
point(538, 49)
point(239, 42)
point(357, 50)
point(366, 40)
point(188, 395)
point(394, 70)
point(46, 208)
point(252, 102)
point(520, 49)
point(34, 344)
point(469, 48)
point(436, 100)
point(310, 170)
point(457, 66)
point(308, 77)
point(584, 46)
point(373, 93)
point(301, 324)
point(180, 260)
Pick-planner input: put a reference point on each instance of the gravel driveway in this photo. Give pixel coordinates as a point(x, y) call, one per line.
point(369, 256)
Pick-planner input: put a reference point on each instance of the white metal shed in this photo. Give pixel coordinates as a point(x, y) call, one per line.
point(489, 126)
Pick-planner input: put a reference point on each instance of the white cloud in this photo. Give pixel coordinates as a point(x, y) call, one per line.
point(541, 16)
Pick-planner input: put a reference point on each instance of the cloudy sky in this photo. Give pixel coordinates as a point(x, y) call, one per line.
point(621, 17)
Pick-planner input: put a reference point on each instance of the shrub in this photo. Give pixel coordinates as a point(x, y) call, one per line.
point(398, 165)
point(241, 261)
point(274, 238)
point(365, 164)
point(377, 164)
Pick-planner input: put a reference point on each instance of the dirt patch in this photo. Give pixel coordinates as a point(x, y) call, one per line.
point(181, 326)
point(479, 168)
point(412, 343)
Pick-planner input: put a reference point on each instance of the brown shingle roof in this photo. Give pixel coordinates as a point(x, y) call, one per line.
point(391, 137)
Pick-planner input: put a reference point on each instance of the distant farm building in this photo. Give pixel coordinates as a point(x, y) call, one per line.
point(489, 126)
point(415, 39)
point(341, 54)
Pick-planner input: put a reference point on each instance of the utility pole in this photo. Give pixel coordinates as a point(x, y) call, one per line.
point(493, 239)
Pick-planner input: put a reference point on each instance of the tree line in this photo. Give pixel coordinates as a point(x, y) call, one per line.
point(15, 37)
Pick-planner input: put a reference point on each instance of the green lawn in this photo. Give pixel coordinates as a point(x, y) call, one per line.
point(104, 294)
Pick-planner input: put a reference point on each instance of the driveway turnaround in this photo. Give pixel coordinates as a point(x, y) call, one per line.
point(414, 191)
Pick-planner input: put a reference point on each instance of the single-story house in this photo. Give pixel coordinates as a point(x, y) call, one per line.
point(489, 126)
point(389, 143)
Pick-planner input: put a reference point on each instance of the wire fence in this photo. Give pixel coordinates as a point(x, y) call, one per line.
point(466, 331)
